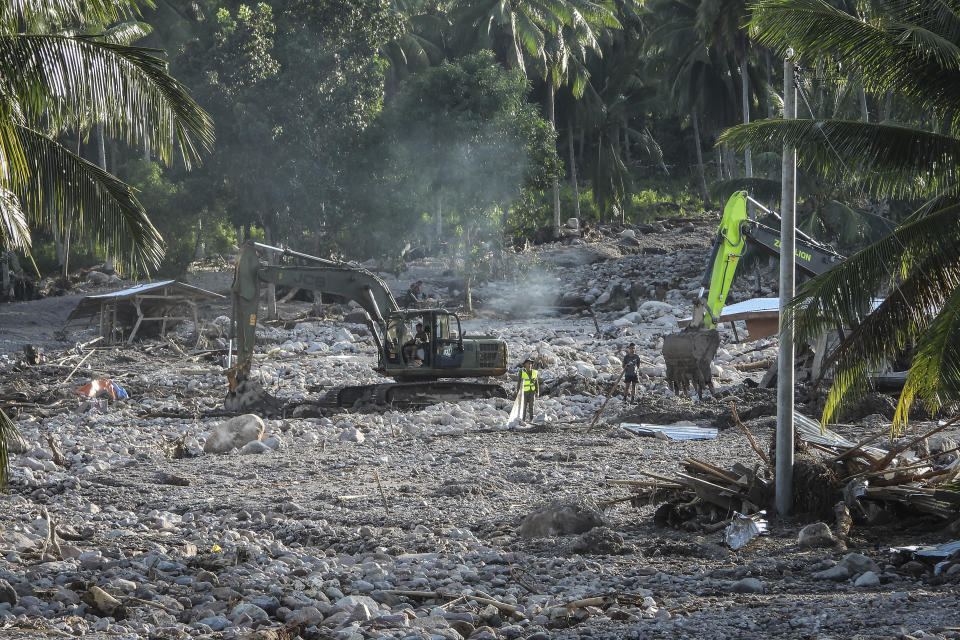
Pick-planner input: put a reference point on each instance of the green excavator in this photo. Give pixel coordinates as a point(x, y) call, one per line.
point(417, 365)
point(688, 354)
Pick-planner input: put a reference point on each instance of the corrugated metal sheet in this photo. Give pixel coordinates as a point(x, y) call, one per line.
point(754, 306)
point(809, 431)
point(90, 305)
point(150, 286)
point(672, 431)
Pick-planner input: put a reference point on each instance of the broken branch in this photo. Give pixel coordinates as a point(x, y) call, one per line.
point(753, 443)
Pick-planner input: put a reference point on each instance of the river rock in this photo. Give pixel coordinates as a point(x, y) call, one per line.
point(858, 563)
point(748, 585)
point(352, 434)
point(868, 579)
point(814, 535)
point(234, 433)
point(559, 519)
point(255, 446)
point(7, 593)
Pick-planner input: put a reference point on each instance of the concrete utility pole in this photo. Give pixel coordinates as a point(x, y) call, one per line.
point(788, 228)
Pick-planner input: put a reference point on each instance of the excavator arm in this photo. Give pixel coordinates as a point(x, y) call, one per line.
point(365, 288)
point(736, 230)
point(689, 353)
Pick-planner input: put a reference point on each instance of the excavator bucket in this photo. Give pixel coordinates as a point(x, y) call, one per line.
point(689, 356)
point(689, 353)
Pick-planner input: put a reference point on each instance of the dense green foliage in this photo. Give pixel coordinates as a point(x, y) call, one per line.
point(314, 105)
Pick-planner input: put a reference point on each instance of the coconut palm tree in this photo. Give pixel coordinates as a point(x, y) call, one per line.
point(908, 49)
point(52, 80)
point(546, 38)
point(420, 43)
point(700, 77)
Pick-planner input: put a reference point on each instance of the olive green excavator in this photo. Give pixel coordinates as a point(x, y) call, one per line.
point(416, 362)
point(689, 353)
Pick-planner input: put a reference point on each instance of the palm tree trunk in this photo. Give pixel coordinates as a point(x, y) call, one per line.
point(704, 193)
point(198, 249)
point(573, 169)
point(581, 143)
point(745, 94)
point(271, 288)
point(766, 55)
point(551, 91)
point(864, 113)
point(439, 219)
point(57, 242)
point(730, 159)
point(109, 265)
point(5, 274)
point(626, 144)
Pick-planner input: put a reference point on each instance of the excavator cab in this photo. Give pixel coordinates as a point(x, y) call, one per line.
point(441, 349)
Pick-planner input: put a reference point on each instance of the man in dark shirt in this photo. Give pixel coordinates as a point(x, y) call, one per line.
point(630, 362)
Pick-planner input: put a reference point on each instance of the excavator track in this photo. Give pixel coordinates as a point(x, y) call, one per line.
point(411, 394)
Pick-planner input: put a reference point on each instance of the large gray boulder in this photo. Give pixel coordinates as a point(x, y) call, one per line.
point(234, 433)
point(560, 519)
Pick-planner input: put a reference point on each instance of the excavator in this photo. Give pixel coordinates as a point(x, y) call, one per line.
point(689, 353)
point(415, 364)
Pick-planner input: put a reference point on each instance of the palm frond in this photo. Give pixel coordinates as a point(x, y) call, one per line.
point(918, 69)
point(14, 230)
point(935, 373)
point(13, 164)
point(846, 292)
point(892, 159)
point(18, 13)
point(126, 32)
point(126, 88)
point(62, 182)
point(935, 15)
point(927, 256)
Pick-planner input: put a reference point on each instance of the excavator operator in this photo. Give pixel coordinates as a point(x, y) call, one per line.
point(419, 340)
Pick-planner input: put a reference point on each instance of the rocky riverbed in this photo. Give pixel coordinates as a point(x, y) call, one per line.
point(174, 520)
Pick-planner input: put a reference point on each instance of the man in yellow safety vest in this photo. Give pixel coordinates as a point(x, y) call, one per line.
point(529, 383)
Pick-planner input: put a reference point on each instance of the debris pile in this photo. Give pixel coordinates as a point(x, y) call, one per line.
point(832, 477)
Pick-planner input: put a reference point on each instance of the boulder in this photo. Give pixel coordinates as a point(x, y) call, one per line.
point(96, 277)
point(858, 563)
point(814, 535)
point(868, 579)
point(352, 434)
point(234, 433)
point(748, 585)
point(7, 593)
point(255, 446)
point(254, 612)
point(586, 370)
point(559, 519)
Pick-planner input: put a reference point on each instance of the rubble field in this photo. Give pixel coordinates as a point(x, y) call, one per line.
point(161, 516)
